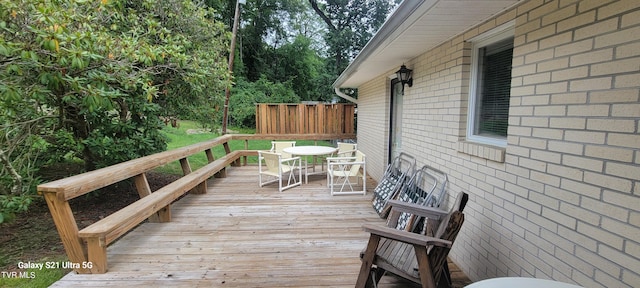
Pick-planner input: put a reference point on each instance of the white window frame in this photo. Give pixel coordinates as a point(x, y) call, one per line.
point(498, 34)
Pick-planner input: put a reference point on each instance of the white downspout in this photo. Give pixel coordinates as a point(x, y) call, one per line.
point(345, 96)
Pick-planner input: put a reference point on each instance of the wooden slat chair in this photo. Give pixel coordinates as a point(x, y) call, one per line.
point(413, 256)
point(340, 170)
point(277, 167)
point(396, 174)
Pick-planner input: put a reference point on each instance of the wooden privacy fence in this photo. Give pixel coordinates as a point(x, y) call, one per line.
point(333, 119)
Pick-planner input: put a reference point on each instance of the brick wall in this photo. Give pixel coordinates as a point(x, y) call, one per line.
point(372, 138)
point(562, 201)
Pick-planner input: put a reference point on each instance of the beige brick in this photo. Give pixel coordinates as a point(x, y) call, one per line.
point(625, 110)
point(613, 67)
point(614, 96)
point(543, 10)
point(611, 182)
point(523, 70)
point(624, 140)
point(535, 121)
point(520, 111)
point(597, 56)
point(591, 84)
point(563, 195)
point(581, 188)
point(569, 98)
point(584, 214)
point(623, 170)
point(567, 123)
point(556, 40)
point(533, 143)
point(588, 110)
point(624, 230)
point(556, 110)
point(535, 100)
point(559, 14)
point(599, 28)
point(610, 153)
point(547, 156)
point(582, 162)
point(627, 81)
point(628, 50)
point(611, 125)
point(537, 78)
point(616, 38)
point(533, 164)
point(541, 33)
point(524, 26)
point(585, 137)
point(586, 5)
point(605, 208)
point(572, 73)
point(555, 64)
point(559, 218)
point(577, 21)
point(487, 26)
point(528, 6)
point(522, 91)
point(600, 235)
point(630, 19)
point(539, 56)
point(506, 17)
point(560, 87)
point(617, 8)
point(629, 276)
point(547, 133)
point(566, 147)
point(574, 48)
point(525, 49)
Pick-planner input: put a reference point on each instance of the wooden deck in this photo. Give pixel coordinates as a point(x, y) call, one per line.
point(240, 235)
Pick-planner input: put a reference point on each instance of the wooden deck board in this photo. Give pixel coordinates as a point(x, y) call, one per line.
point(241, 235)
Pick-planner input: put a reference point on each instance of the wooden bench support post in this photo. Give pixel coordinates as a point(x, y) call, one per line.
point(97, 250)
point(367, 261)
point(142, 185)
point(186, 169)
point(67, 228)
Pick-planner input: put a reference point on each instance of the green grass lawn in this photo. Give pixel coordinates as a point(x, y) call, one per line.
point(190, 132)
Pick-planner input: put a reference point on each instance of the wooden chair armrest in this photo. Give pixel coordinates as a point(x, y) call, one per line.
point(416, 209)
point(405, 236)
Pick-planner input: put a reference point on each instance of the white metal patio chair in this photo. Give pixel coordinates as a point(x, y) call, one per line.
point(340, 170)
point(277, 167)
point(278, 146)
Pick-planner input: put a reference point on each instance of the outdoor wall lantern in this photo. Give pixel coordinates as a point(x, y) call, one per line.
point(404, 75)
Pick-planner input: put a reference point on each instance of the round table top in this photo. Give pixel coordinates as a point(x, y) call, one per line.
point(310, 150)
point(520, 282)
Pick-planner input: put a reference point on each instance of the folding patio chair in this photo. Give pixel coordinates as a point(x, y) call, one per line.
point(278, 146)
point(392, 180)
point(426, 187)
point(340, 170)
point(277, 167)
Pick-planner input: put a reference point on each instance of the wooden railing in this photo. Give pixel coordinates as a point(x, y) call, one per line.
point(305, 119)
point(86, 248)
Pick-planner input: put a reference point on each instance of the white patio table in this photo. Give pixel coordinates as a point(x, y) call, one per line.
point(520, 282)
point(310, 151)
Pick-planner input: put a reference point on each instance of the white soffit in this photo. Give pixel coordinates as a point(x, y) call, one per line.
point(414, 28)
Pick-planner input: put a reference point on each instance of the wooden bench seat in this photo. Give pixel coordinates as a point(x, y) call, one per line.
point(102, 233)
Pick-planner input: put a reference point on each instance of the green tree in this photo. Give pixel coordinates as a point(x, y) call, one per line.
point(350, 23)
point(89, 77)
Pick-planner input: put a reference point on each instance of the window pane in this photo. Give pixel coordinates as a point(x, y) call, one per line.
point(495, 89)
